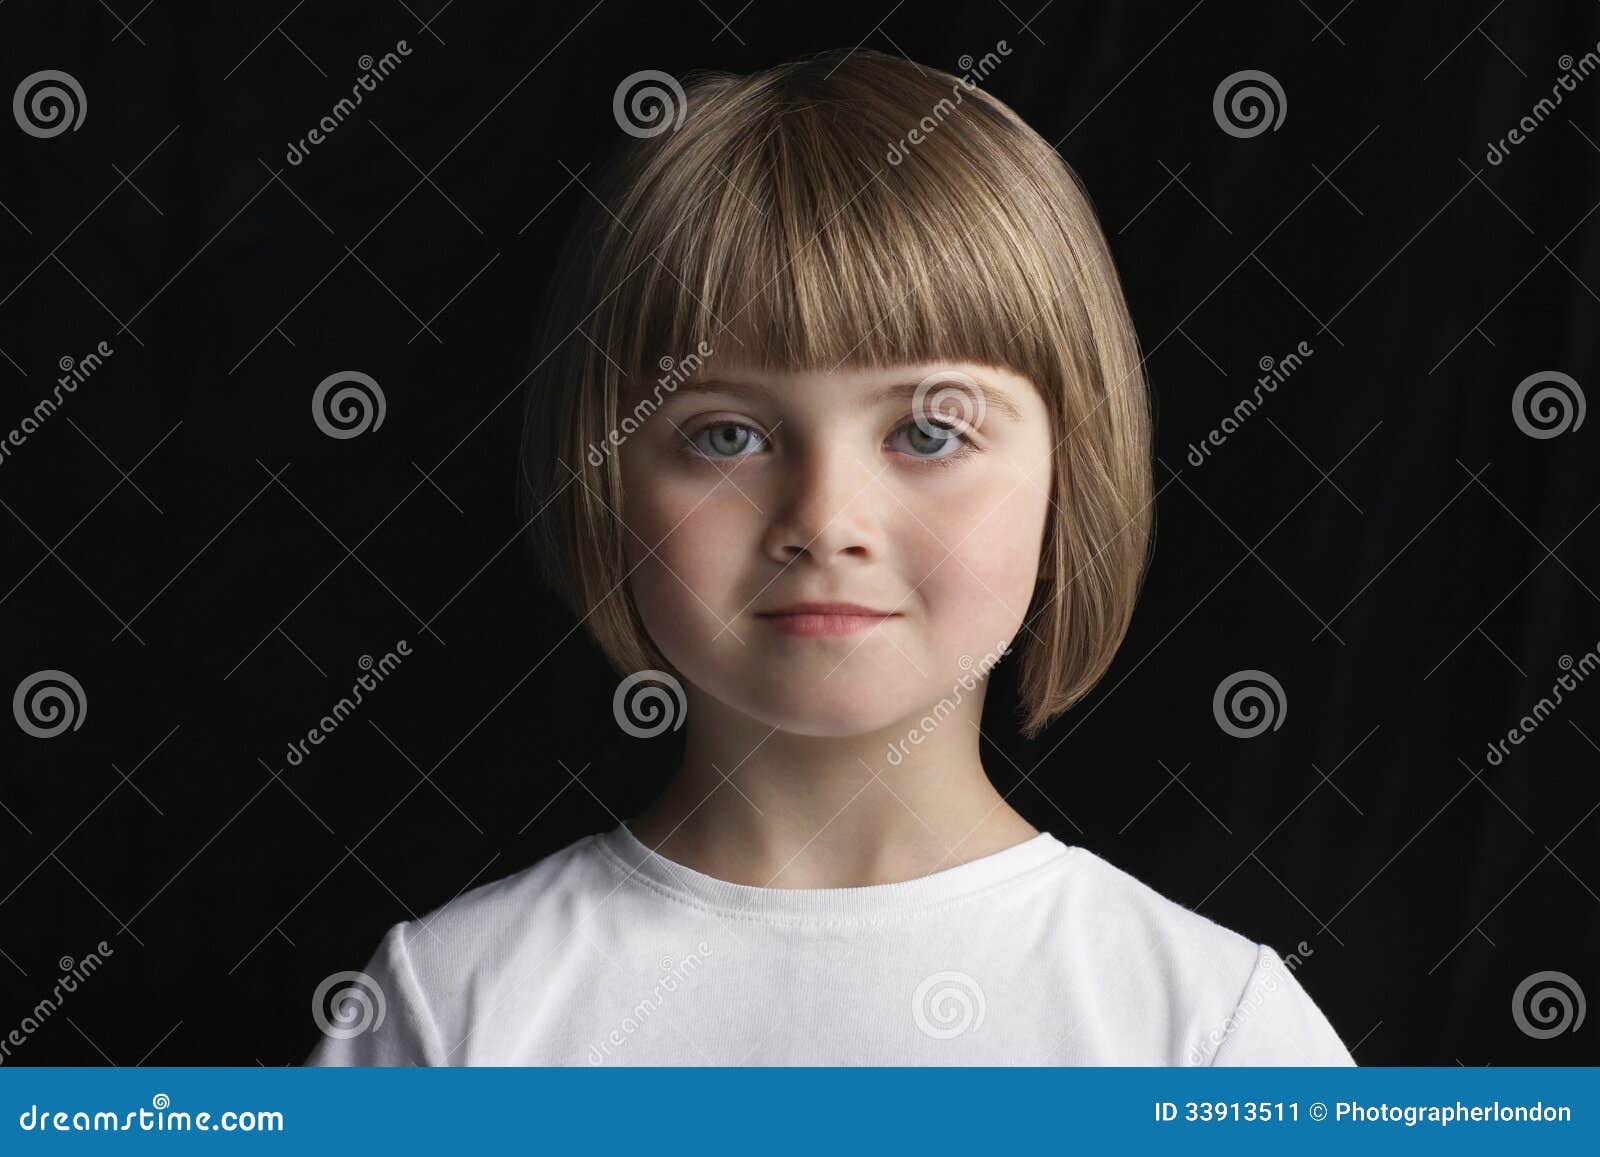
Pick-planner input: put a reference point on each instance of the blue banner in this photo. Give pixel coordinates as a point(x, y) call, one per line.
point(797, 1110)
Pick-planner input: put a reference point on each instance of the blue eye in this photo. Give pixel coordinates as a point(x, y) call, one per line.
point(726, 440)
point(938, 443)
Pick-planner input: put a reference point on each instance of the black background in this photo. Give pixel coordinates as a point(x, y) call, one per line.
point(181, 537)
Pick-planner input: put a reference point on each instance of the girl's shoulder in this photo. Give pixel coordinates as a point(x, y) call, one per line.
point(500, 907)
point(1117, 900)
point(1193, 977)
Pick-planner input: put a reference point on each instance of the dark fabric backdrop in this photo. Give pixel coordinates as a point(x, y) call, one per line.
point(1382, 537)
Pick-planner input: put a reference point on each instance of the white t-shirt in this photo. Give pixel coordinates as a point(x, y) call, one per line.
point(606, 952)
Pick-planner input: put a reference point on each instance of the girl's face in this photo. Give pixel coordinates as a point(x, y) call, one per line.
point(747, 492)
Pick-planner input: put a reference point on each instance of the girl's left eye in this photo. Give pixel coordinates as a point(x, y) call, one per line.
point(935, 442)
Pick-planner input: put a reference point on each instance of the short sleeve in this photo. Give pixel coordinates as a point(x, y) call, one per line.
point(1275, 1022)
point(379, 1016)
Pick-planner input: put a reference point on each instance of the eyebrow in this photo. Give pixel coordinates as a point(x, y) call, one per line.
point(899, 391)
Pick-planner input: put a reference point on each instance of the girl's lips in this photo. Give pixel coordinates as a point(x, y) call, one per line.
point(810, 624)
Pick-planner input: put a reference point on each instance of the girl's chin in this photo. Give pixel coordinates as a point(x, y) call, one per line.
point(816, 720)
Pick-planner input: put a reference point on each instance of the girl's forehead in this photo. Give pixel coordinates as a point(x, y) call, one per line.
point(929, 383)
point(744, 371)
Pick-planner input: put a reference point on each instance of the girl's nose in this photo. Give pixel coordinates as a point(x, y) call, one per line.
point(826, 508)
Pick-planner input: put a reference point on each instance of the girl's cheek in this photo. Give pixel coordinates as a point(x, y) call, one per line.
point(974, 519)
point(995, 565)
point(659, 496)
point(696, 538)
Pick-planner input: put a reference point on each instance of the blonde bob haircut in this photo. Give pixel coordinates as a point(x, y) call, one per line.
point(845, 210)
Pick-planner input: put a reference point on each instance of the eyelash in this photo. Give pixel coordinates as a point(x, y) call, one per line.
point(970, 447)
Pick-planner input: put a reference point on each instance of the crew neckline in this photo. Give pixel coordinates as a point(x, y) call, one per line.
point(642, 863)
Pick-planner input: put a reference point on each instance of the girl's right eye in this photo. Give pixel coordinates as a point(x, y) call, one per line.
point(724, 440)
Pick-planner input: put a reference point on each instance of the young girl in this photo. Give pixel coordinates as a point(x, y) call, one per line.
point(841, 406)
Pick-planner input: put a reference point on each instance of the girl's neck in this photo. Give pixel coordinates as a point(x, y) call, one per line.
point(757, 805)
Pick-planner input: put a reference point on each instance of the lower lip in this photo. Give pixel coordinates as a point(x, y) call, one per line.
point(812, 626)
